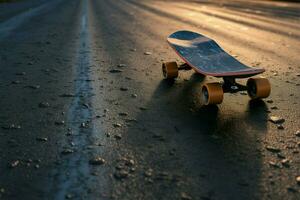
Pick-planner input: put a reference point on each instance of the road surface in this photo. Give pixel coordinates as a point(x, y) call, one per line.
point(86, 114)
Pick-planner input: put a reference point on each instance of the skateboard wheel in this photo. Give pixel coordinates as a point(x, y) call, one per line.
point(212, 93)
point(258, 88)
point(170, 70)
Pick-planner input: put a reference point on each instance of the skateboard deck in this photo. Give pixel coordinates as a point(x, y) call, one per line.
point(207, 57)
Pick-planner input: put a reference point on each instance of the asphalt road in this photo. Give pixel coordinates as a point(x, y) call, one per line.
point(86, 114)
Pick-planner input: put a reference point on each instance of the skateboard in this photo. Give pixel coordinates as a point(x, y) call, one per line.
point(206, 57)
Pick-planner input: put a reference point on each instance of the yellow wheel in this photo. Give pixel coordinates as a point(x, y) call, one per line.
point(170, 70)
point(212, 93)
point(258, 88)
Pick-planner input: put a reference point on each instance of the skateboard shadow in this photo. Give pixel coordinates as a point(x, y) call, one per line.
point(215, 149)
point(257, 114)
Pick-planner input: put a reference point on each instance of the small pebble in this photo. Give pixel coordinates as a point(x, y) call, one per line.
point(97, 161)
point(123, 89)
point(118, 136)
point(285, 162)
point(117, 125)
point(14, 164)
point(15, 82)
point(83, 125)
point(33, 86)
point(273, 149)
point(115, 71)
point(280, 127)
point(143, 108)
point(280, 155)
point(67, 95)
point(59, 123)
point(121, 174)
point(148, 173)
point(123, 114)
point(276, 120)
point(273, 164)
point(185, 196)
point(11, 126)
point(42, 139)
point(122, 65)
point(67, 151)
point(85, 105)
point(44, 105)
point(69, 196)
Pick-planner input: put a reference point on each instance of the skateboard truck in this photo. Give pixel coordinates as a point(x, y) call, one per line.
point(230, 85)
point(184, 66)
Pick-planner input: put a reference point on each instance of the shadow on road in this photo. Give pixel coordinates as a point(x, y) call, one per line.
point(217, 150)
